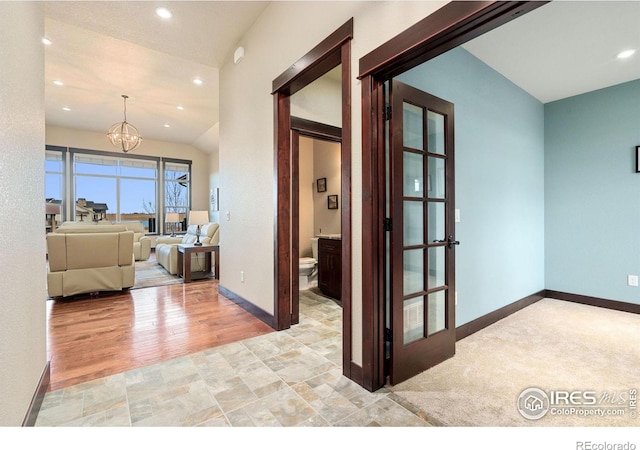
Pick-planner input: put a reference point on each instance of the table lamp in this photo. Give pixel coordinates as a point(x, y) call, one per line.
point(173, 218)
point(198, 218)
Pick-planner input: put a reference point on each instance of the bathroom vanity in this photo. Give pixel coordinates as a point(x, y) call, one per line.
point(330, 266)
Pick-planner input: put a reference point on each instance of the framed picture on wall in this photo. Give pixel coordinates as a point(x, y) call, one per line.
point(638, 158)
point(321, 184)
point(332, 202)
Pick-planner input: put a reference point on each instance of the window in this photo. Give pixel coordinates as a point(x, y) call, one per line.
point(114, 187)
point(177, 193)
point(54, 185)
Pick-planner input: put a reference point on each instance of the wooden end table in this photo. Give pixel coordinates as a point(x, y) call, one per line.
point(184, 259)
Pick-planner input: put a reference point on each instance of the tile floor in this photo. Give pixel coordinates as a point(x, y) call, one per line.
point(290, 378)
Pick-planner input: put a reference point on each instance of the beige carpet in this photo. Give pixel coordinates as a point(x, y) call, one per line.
point(551, 345)
point(150, 274)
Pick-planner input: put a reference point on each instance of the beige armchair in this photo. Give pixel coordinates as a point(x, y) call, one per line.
point(167, 247)
point(141, 242)
point(89, 259)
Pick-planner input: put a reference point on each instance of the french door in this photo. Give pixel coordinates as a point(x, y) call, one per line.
point(421, 230)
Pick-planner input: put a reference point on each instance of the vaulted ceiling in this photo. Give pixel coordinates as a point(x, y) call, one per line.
point(103, 49)
point(565, 48)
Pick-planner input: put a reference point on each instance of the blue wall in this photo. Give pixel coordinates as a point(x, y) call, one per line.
point(592, 193)
point(499, 145)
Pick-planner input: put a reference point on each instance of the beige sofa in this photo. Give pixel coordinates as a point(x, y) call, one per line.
point(89, 259)
point(141, 242)
point(167, 247)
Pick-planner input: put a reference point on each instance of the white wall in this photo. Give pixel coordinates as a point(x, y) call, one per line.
point(22, 231)
point(214, 171)
point(320, 101)
point(318, 159)
point(209, 143)
point(306, 193)
point(327, 164)
point(201, 161)
point(214, 186)
point(279, 37)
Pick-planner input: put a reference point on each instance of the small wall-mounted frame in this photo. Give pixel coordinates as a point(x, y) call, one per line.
point(332, 202)
point(321, 184)
point(215, 199)
point(637, 158)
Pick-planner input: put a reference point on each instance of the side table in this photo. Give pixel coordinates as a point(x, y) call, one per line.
point(184, 260)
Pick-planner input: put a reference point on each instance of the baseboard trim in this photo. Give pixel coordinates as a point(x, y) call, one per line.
point(245, 304)
point(484, 321)
point(594, 301)
point(38, 397)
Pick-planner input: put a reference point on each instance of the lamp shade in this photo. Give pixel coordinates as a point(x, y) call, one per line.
point(198, 217)
point(173, 217)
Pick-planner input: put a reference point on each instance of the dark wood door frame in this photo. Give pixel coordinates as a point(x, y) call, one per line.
point(313, 130)
point(332, 52)
point(450, 26)
point(316, 130)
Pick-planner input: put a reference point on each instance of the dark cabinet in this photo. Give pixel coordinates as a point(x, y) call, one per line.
point(330, 267)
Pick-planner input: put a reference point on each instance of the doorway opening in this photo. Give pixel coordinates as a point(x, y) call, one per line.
point(315, 175)
point(447, 28)
point(334, 51)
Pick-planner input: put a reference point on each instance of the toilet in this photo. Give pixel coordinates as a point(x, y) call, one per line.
point(307, 268)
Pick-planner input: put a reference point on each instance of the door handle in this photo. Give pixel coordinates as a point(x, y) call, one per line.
point(450, 242)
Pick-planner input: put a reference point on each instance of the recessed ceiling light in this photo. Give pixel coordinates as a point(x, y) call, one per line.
point(58, 83)
point(166, 125)
point(197, 81)
point(46, 41)
point(626, 53)
point(180, 107)
point(164, 13)
point(66, 108)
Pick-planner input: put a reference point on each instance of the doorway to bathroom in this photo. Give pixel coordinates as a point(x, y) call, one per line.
point(333, 54)
point(315, 216)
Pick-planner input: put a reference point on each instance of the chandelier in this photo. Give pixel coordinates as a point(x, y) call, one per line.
point(124, 135)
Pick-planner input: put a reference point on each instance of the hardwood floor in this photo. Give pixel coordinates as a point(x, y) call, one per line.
point(90, 337)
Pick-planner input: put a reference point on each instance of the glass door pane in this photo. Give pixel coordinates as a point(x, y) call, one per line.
point(436, 221)
point(413, 168)
point(436, 132)
point(413, 319)
point(413, 223)
point(413, 126)
point(413, 271)
point(437, 312)
point(435, 177)
point(436, 267)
